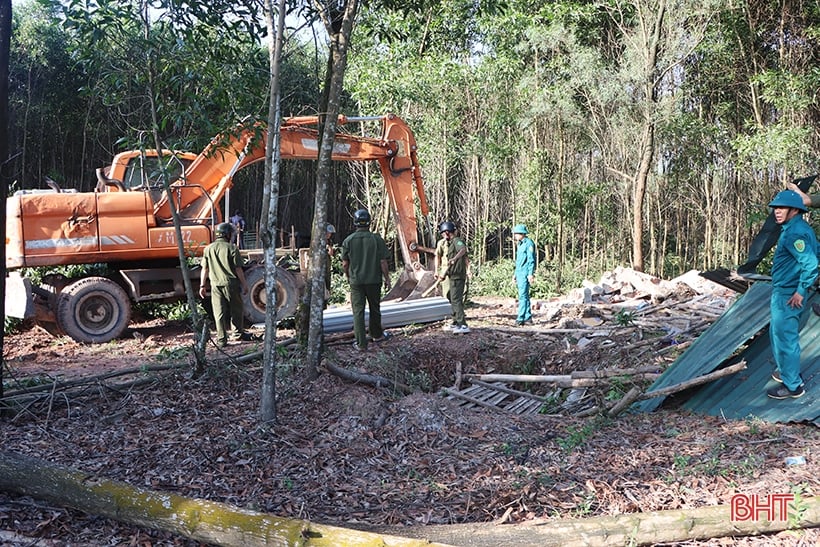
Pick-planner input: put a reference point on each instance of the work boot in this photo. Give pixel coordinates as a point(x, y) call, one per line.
point(782, 392)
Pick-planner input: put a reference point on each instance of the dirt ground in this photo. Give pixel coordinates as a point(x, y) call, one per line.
point(354, 455)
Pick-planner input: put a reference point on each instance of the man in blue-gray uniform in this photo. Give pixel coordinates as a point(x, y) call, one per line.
point(364, 260)
point(524, 273)
point(794, 270)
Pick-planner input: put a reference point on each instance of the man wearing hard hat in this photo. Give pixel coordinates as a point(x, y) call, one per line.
point(794, 270)
point(524, 273)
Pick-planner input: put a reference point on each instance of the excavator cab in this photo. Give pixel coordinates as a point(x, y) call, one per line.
point(141, 170)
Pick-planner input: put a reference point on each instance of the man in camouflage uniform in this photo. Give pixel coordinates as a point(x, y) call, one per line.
point(451, 270)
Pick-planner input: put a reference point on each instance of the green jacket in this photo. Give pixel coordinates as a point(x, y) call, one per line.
point(445, 251)
point(222, 259)
point(364, 251)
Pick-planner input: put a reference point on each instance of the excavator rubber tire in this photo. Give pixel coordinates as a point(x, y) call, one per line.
point(93, 310)
point(255, 302)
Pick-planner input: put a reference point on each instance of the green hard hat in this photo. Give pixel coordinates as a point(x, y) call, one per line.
point(224, 229)
point(520, 229)
point(788, 198)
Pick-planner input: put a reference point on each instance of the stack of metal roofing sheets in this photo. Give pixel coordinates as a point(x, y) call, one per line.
point(394, 314)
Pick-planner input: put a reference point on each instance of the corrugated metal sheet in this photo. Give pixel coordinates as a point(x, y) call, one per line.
point(394, 314)
point(743, 395)
point(740, 322)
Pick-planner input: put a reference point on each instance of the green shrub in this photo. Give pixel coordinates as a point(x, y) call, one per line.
point(493, 279)
point(12, 325)
point(496, 279)
point(70, 271)
point(172, 311)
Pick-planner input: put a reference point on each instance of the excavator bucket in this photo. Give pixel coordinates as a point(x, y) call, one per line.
point(412, 286)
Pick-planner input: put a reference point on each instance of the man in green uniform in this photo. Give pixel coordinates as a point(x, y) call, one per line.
point(451, 270)
point(364, 260)
point(524, 273)
point(794, 271)
point(222, 268)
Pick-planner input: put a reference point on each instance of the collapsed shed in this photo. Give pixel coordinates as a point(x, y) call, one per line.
point(741, 334)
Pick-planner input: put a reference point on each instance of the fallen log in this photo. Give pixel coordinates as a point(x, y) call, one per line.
point(86, 380)
point(201, 520)
point(560, 380)
point(630, 397)
point(610, 372)
point(656, 527)
point(663, 392)
point(369, 379)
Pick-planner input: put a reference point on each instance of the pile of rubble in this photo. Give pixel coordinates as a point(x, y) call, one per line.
point(627, 328)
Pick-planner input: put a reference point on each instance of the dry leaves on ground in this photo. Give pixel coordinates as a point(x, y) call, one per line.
point(354, 455)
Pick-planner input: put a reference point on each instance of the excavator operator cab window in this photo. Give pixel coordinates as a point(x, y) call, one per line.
point(144, 173)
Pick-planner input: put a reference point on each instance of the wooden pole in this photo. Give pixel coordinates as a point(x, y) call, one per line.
point(656, 527)
point(663, 392)
point(564, 380)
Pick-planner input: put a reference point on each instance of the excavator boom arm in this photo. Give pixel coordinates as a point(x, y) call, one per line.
point(210, 175)
point(118, 224)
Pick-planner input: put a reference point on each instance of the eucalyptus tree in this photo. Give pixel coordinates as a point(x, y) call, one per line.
point(196, 59)
point(419, 60)
point(650, 40)
point(778, 79)
point(746, 124)
point(5, 44)
point(337, 18)
point(275, 22)
point(49, 120)
point(548, 141)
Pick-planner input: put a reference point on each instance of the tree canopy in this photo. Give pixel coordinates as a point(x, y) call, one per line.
point(644, 132)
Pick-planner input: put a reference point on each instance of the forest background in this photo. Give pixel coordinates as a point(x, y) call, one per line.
point(642, 132)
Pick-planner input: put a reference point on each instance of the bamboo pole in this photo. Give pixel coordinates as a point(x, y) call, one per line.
point(737, 367)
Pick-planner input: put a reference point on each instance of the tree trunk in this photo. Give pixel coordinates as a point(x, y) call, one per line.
point(656, 527)
point(5, 40)
point(201, 520)
point(324, 170)
point(649, 107)
point(270, 210)
point(197, 321)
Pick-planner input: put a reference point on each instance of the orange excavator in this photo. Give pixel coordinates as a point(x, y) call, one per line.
point(126, 225)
